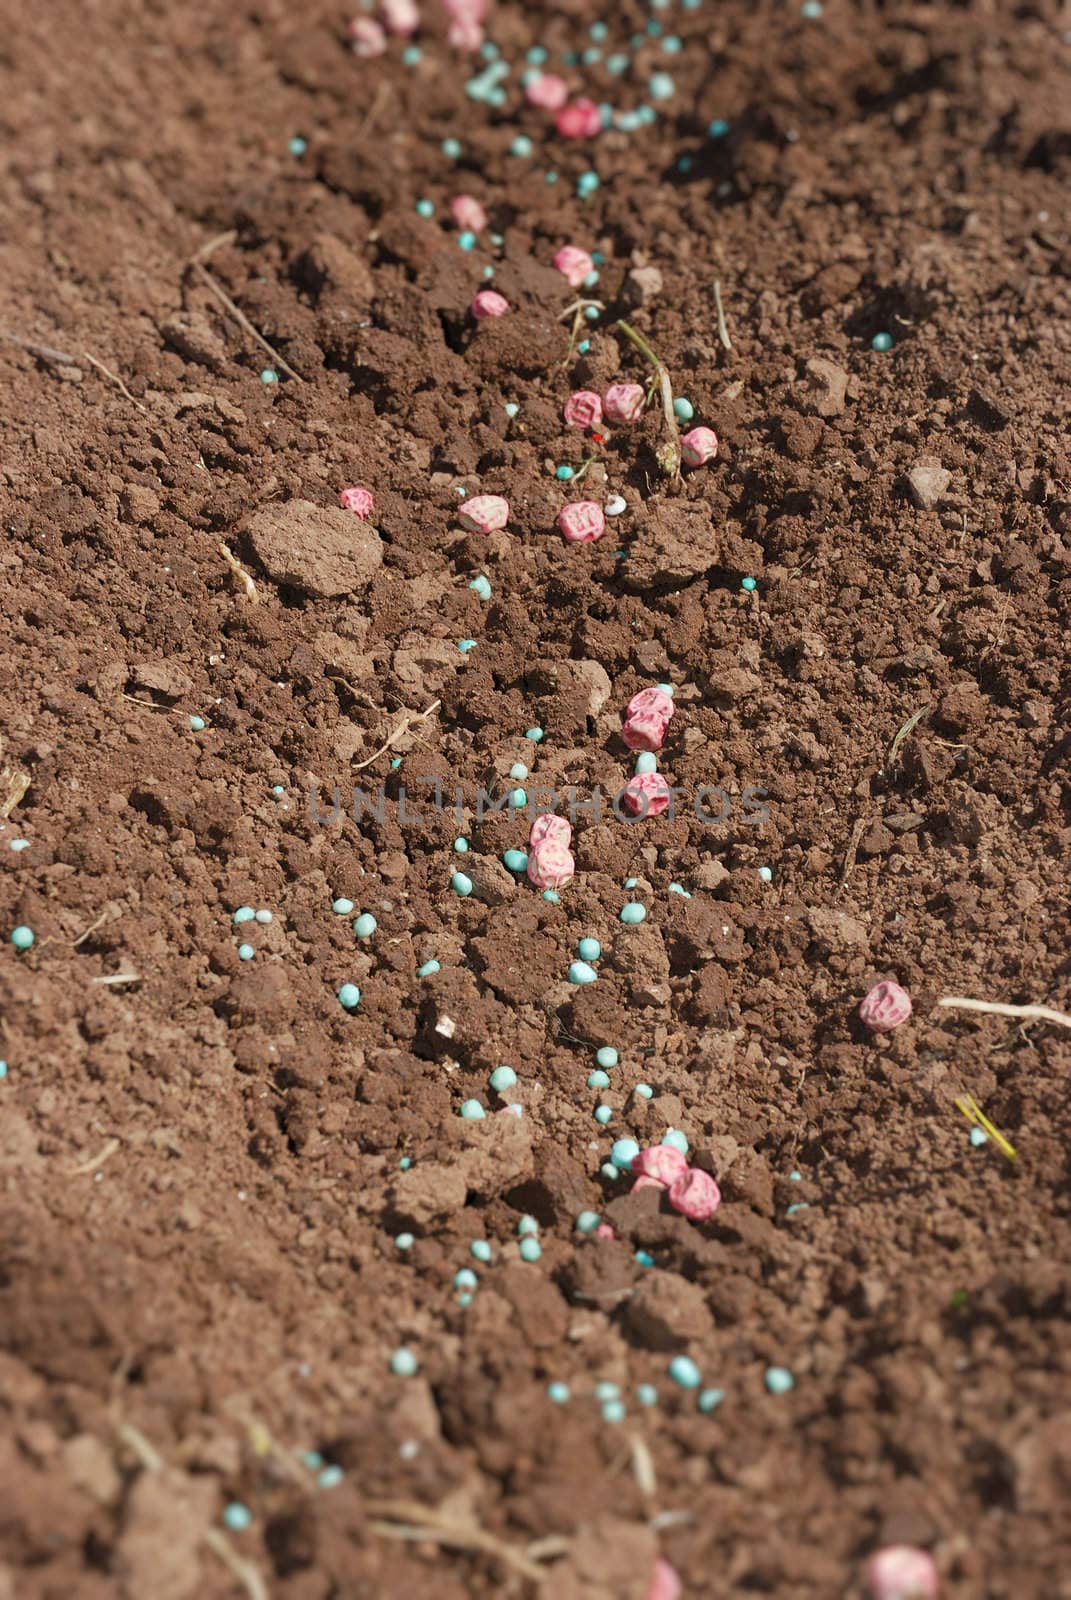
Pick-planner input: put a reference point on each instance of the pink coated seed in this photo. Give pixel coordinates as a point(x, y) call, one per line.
point(465, 33)
point(357, 500)
point(623, 403)
point(885, 1007)
point(582, 522)
point(401, 16)
point(695, 1195)
point(644, 732)
point(579, 120)
point(467, 212)
point(699, 446)
point(902, 1572)
point(604, 1231)
point(661, 1162)
point(573, 264)
point(548, 92)
point(665, 1585)
point(551, 865)
point(368, 37)
point(647, 795)
point(484, 513)
point(655, 700)
point(583, 409)
point(548, 826)
point(489, 303)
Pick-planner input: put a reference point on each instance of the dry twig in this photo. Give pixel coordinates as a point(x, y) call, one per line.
point(94, 1161)
point(419, 1524)
point(241, 574)
point(669, 457)
point(196, 263)
point(114, 378)
point(410, 719)
point(723, 330)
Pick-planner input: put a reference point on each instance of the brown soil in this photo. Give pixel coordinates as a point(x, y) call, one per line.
point(200, 1169)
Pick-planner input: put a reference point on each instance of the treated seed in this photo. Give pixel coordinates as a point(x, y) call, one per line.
point(246, 952)
point(403, 1241)
point(779, 1380)
point(518, 772)
point(502, 1078)
point(589, 949)
point(403, 1363)
point(647, 1394)
point(531, 1249)
point(881, 342)
point(340, 907)
point(330, 1477)
point(623, 1153)
point(515, 860)
point(684, 1372)
point(349, 996)
point(461, 884)
point(461, 845)
point(598, 1080)
point(581, 973)
point(646, 761)
point(465, 1278)
point(425, 208)
point(603, 1115)
point(244, 914)
point(197, 723)
point(644, 1091)
point(683, 409)
point(237, 1517)
point(587, 1222)
point(428, 968)
point(535, 734)
point(675, 1139)
point(607, 1056)
point(709, 1400)
point(633, 913)
point(481, 1250)
point(365, 926)
point(558, 1392)
point(472, 1111)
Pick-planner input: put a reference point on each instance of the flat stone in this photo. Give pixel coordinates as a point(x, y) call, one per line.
point(927, 482)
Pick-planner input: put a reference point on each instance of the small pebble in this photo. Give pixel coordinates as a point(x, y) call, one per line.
point(881, 342)
point(581, 973)
point(22, 937)
point(461, 884)
point(599, 1080)
point(237, 1517)
point(403, 1363)
point(365, 926)
point(341, 907)
point(779, 1380)
point(558, 1392)
point(709, 1400)
point(330, 1477)
point(404, 1241)
point(502, 1078)
point(684, 1372)
point(244, 914)
point(349, 996)
point(428, 968)
point(633, 913)
point(587, 1222)
point(246, 952)
point(481, 1250)
point(472, 1111)
point(531, 1249)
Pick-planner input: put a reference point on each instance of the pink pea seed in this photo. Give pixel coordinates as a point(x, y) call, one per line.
point(489, 303)
point(551, 865)
point(648, 794)
point(580, 120)
point(644, 731)
point(548, 826)
point(401, 16)
point(623, 403)
point(547, 92)
point(582, 522)
point(574, 265)
point(902, 1572)
point(655, 700)
point(661, 1162)
point(665, 1585)
point(357, 500)
point(885, 1007)
point(368, 37)
point(484, 513)
point(583, 409)
point(695, 1195)
point(467, 212)
point(699, 447)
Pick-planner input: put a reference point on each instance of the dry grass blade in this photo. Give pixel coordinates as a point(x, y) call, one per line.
point(416, 1524)
point(723, 330)
point(243, 321)
point(410, 719)
point(114, 378)
point(994, 1008)
point(94, 1161)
